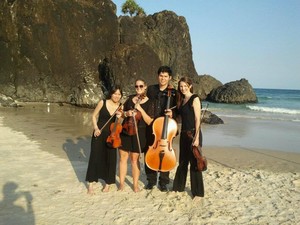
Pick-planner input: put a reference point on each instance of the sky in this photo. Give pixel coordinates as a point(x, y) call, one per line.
point(258, 40)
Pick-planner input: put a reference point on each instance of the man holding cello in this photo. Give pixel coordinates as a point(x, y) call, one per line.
point(160, 95)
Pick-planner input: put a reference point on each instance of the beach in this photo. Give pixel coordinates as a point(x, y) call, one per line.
point(44, 152)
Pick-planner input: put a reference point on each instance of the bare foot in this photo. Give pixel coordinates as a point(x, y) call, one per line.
point(106, 188)
point(121, 187)
point(136, 189)
point(197, 199)
point(90, 190)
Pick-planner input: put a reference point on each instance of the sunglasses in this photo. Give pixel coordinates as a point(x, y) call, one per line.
point(139, 86)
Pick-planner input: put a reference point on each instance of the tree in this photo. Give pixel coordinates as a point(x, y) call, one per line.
point(131, 7)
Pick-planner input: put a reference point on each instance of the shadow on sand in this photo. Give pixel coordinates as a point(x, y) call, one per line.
point(12, 213)
point(78, 152)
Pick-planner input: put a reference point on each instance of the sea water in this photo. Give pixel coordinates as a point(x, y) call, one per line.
point(273, 123)
point(273, 104)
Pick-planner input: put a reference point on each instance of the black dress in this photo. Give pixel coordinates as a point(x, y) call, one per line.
point(103, 160)
point(129, 142)
point(186, 155)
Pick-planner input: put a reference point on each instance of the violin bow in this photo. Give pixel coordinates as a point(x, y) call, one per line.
point(111, 117)
point(137, 135)
point(137, 131)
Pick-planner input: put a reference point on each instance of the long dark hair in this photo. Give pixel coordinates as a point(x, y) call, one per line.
point(113, 90)
point(180, 96)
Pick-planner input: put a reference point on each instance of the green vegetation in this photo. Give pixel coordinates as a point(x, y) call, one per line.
point(132, 8)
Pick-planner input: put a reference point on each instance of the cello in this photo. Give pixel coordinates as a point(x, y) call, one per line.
point(161, 156)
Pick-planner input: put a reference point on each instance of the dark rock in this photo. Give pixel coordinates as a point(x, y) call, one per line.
point(7, 101)
point(50, 50)
point(204, 84)
point(236, 92)
point(167, 34)
point(125, 64)
point(75, 51)
point(211, 118)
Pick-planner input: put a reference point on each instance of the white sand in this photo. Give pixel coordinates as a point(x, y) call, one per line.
point(233, 196)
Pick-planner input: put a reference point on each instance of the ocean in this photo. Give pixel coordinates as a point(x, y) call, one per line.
point(273, 123)
point(273, 104)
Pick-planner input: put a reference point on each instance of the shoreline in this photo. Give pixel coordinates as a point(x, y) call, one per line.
point(44, 160)
point(71, 127)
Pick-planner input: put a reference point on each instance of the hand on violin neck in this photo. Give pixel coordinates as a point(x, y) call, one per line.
point(168, 112)
point(196, 143)
point(141, 96)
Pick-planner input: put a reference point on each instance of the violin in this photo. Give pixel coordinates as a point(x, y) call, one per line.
point(201, 159)
point(114, 139)
point(197, 151)
point(129, 124)
point(161, 156)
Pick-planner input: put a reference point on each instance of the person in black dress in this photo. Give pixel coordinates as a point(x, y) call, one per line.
point(137, 105)
point(103, 159)
point(189, 108)
point(158, 93)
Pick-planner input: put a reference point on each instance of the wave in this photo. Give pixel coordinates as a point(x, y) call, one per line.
point(274, 110)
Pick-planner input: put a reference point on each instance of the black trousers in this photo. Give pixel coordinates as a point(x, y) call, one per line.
point(186, 157)
point(152, 176)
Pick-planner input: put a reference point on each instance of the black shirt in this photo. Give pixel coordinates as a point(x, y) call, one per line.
point(160, 99)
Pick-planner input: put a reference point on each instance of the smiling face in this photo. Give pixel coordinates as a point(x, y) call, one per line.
point(163, 79)
point(140, 87)
point(116, 96)
point(185, 88)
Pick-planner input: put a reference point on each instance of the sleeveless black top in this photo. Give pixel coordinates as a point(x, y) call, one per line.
point(187, 114)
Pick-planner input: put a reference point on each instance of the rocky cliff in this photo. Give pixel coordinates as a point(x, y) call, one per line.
point(75, 51)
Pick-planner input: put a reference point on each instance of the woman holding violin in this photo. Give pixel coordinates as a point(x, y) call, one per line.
point(189, 108)
point(103, 159)
point(136, 118)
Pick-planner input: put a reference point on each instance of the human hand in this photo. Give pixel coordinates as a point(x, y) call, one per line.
point(118, 114)
point(97, 132)
point(138, 106)
point(168, 112)
point(129, 113)
point(196, 142)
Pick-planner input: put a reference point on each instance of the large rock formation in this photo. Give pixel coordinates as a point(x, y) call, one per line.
point(235, 92)
point(204, 84)
point(50, 49)
point(75, 51)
